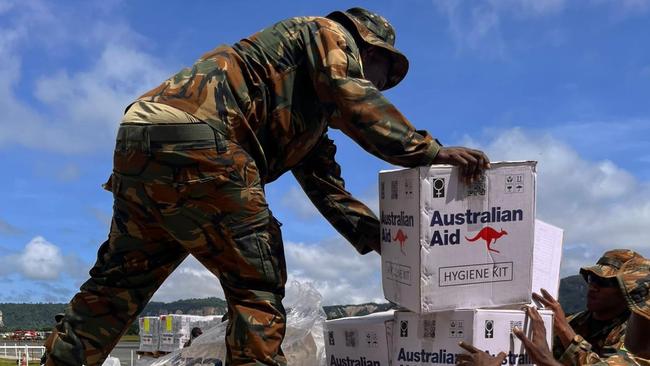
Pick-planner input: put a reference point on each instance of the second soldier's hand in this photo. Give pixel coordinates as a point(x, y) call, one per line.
point(471, 162)
point(476, 357)
point(536, 346)
point(561, 326)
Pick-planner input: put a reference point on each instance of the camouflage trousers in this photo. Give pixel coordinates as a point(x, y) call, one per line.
point(185, 190)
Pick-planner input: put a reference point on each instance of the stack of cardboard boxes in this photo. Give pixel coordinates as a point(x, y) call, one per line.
point(460, 260)
point(149, 333)
point(167, 333)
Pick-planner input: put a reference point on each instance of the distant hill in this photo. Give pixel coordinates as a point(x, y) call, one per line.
point(573, 294)
point(41, 316)
point(207, 306)
point(29, 316)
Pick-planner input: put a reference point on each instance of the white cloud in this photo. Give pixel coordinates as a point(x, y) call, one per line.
point(297, 201)
point(189, 280)
point(530, 8)
point(476, 29)
point(6, 5)
point(479, 25)
point(101, 215)
point(336, 270)
point(626, 8)
point(600, 205)
point(608, 134)
point(97, 97)
point(42, 260)
point(476, 26)
point(68, 173)
point(80, 108)
point(636, 5)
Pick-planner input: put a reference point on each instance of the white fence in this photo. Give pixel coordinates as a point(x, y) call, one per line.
point(30, 354)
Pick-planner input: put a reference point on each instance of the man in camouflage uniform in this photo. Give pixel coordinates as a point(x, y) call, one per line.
point(634, 281)
point(194, 154)
point(603, 323)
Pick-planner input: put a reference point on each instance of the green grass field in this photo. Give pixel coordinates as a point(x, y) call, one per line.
point(128, 338)
point(5, 362)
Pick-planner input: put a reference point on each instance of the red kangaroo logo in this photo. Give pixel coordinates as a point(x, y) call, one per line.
point(489, 235)
point(401, 237)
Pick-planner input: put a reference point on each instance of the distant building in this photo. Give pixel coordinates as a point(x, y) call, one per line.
point(1, 323)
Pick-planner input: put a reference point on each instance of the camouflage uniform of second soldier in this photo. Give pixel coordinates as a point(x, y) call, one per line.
point(634, 280)
point(604, 337)
point(264, 106)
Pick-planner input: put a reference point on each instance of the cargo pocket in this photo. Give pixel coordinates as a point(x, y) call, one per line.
point(259, 251)
point(276, 248)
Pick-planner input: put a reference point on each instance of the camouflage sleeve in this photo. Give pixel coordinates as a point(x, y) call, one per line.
point(623, 358)
point(320, 177)
point(579, 353)
point(357, 107)
point(558, 347)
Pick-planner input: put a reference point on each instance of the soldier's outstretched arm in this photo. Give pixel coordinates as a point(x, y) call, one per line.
point(361, 111)
point(320, 177)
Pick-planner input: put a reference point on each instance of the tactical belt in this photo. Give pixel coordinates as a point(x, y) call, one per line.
point(145, 134)
point(165, 132)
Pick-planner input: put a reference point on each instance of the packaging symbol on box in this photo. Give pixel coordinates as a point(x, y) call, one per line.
point(432, 339)
point(359, 341)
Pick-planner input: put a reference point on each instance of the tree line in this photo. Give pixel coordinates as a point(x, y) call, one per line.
point(573, 291)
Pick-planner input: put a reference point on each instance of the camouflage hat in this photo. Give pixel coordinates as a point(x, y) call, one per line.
point(610, 263)
point(634, 280)
point(376, 31)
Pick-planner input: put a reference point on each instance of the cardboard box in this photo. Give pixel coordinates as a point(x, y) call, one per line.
point(175, 330)
point(448, 245)
point(149, 333)
point(432, 339)
point(359, 341)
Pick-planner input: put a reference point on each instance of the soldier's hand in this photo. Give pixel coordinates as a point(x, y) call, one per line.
point(476, 357)
point(471, 162)
point(561, 326)
point(536, 347)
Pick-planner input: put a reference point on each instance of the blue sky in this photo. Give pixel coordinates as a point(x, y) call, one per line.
point(565, 83)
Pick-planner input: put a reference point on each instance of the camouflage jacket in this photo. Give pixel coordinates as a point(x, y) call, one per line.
point(621, 358)
point(603, 341)
point(278, 91)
